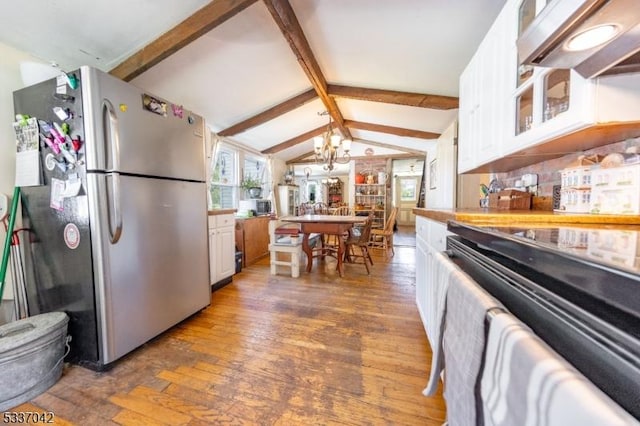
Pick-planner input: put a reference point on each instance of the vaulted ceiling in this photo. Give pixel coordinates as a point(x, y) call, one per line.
point(262, 71)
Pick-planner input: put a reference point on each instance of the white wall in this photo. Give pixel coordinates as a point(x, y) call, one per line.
point(278, 169)
point(443, 195)
point(11, 61)
point(17, 70)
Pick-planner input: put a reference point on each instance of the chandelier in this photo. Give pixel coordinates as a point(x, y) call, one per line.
point(330, 148)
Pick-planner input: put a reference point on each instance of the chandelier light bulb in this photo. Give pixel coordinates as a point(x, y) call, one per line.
point(335, 141)
point(326, 147)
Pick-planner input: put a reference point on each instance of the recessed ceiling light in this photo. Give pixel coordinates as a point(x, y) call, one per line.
point(592, 37)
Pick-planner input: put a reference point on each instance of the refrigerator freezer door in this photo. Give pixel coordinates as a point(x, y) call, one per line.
point(123, 135)
point(58, 268)
point(156, 273)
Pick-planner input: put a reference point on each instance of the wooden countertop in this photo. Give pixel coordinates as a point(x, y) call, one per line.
point(218, 212)
point(261, 216)
point(506, 217)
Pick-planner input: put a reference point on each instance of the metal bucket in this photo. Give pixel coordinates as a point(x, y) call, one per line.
point(31, 357)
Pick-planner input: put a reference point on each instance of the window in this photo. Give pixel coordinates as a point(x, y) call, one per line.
point(224, 179)
point(313, 192)
point(407, 189)
point(255, 167)
point(232, 164)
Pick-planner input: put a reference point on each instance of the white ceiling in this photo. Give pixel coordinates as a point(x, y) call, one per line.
point(245, 65)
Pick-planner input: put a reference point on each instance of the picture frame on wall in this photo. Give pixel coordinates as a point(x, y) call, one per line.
point(433, 173)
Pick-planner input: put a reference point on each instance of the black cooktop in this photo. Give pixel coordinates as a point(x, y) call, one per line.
point(612, 246)
point(601, 262)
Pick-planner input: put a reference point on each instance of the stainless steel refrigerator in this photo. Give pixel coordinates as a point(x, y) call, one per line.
point(118, 228)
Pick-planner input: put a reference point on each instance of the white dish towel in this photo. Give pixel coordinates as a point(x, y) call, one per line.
point(525, 382)
point(463, 345)
point(444, 271)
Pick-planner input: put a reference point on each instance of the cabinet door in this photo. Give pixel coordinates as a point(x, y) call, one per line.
point(485, 91)
point(484, 118)
point(422, 231)
point(225, 240)
point(465, 128)
point(213, 262)
point(438, 235)
point(256, 239)
point(421, 276)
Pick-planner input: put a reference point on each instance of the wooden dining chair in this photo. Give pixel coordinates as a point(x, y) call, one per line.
point(342, 211)
point(320, 208)
point(360, 243)
point(382, 239)
point(332, 240)
point(305, 208)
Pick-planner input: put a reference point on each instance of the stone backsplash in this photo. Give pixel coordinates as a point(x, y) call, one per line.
point(549, 171)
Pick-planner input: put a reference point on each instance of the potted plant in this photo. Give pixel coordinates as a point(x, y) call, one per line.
point(253, 186)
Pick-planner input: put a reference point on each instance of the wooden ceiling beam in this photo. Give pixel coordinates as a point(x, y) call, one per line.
point(398, 131)
point(389, 146)
point(285, 18)
point(271, 113)
point(304, 160)
point(196, 25)
point(407, 153)
point(295, 141)
point(392, 156)
point(394, 97)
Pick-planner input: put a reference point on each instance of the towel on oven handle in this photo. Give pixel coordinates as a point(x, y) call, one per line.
point(443, 272)
point(463, 345)
point(525, 382)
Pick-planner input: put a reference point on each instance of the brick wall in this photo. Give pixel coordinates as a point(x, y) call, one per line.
point(549, 171)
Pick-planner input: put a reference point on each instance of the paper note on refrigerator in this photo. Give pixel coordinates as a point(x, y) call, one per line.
point(57, 194)
point(27, 152)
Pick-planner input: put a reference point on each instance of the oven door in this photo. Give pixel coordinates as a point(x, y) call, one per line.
point(576, 329)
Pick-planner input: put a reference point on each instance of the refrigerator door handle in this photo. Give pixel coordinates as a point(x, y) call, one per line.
point(111, 136)
point(114, 211)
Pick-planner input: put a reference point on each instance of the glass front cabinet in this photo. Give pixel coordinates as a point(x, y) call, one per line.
point(508, 108)
point(547, 102)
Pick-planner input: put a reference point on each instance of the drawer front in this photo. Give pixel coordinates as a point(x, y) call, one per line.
point(225, 220)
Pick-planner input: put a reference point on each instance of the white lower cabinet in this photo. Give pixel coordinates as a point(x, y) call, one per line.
point(221, 247)
point(431, 238)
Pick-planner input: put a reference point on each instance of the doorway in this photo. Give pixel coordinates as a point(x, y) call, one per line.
point(407, 177)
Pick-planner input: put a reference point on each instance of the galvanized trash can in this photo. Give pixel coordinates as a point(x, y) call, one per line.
point(31, 357)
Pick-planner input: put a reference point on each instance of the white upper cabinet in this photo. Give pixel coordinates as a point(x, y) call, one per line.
point(512, 115)
point(483, 92)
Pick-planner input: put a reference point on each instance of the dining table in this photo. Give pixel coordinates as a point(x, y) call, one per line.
point(325, 224)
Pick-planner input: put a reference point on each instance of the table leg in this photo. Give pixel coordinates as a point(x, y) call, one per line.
point(307, 250)
point(341, 247)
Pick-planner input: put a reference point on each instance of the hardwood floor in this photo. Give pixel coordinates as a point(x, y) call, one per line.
point(273, 350)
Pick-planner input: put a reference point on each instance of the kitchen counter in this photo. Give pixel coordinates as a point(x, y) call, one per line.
point(268, 216)
point(218, 212)
point(509, 217)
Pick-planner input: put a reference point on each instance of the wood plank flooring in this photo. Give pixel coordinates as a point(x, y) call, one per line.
point(272, 350)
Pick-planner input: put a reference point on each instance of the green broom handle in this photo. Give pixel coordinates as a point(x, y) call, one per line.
point(8, 238)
